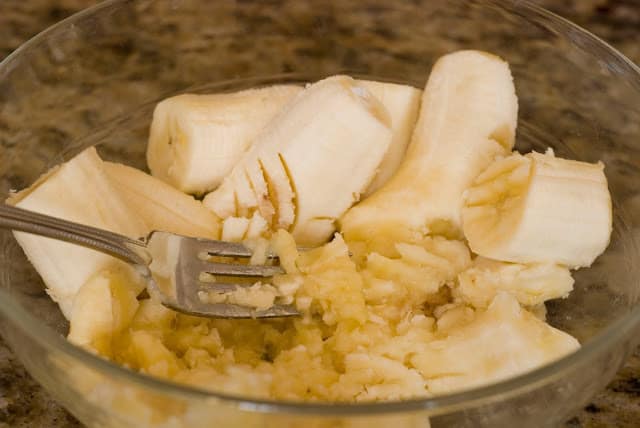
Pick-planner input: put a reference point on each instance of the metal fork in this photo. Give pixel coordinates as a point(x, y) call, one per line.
point(176, 268)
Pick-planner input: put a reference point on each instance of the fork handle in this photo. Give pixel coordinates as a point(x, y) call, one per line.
point(116, 245)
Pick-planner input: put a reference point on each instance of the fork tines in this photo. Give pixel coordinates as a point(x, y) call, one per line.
point(236, 269)
point(227, 249)
point(207, 249)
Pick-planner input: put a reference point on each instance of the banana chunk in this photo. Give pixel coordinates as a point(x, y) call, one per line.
point(311, 163)
point(539, 208)
point(161, 206)
point(78, 190)
point(501, 342)
point(234, 229)
point(195, 140)
point(102, 308)
point(467, 118)
point(402, 102)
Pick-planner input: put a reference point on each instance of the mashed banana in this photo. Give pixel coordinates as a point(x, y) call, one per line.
point(373, 328)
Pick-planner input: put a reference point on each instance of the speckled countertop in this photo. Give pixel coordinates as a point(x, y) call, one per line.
point(23, 403)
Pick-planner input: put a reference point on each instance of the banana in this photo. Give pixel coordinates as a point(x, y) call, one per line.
point(402, 102)
point(161, 206)
point(419, 272)
point(234, 229)
point(539, 208)
point(502, 341)
point(258, 227)
point(531, 284)
point(237, 229)
point(104, 306)
point(311, 163)
point(467, 118)
point(78, 190)
point(195, 140)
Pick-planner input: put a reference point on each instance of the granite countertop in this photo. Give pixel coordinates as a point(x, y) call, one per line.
point(23, 403)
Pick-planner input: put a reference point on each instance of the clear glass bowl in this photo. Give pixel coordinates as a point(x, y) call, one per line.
point(95, 77)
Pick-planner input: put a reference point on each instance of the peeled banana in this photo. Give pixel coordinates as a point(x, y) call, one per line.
point(161, 206)
point(79, 190)
point(539, 208)
point(402, 102)
point(103, 307)
point(467, 118)
point(501, 342)
point(195, 140)
point(310, 164)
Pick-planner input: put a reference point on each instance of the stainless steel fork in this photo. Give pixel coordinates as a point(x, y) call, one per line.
point(176, 268)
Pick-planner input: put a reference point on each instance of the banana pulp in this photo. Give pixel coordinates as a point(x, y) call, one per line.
point(447, 244)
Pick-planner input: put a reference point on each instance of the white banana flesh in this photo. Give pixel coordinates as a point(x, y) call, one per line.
point(103, 306)
point(195, 140)
point(234, 229)
point(402, 102)
point(501, 342)
point(539, 208)
point(160, 205)
point(310, 164)
point(237, 229)
point(81, 191)
point(531, 284)
point(419, 272)
point(467, 118)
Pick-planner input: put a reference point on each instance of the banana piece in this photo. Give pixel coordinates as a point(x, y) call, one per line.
point(161, 206)
point(311, 163)
point(237, 229)
point(78, 190)
point(467, 118)
point(102, 308)
point(195, 140)
point(531, 284)
point(539, 208)
point(234, 229)
point(501, 342)
point(258, 227)
point(402, 102)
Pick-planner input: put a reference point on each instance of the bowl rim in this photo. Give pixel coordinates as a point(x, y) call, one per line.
point(619, 330)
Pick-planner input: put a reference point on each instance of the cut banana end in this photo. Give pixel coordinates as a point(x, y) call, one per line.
point(80, 191)
point(311, 163)
point(402, 102)
point(467, 118)
point(195, 140)
point(539, 209)
point(160, 205)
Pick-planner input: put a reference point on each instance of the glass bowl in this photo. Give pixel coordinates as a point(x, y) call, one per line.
point(95, 77)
